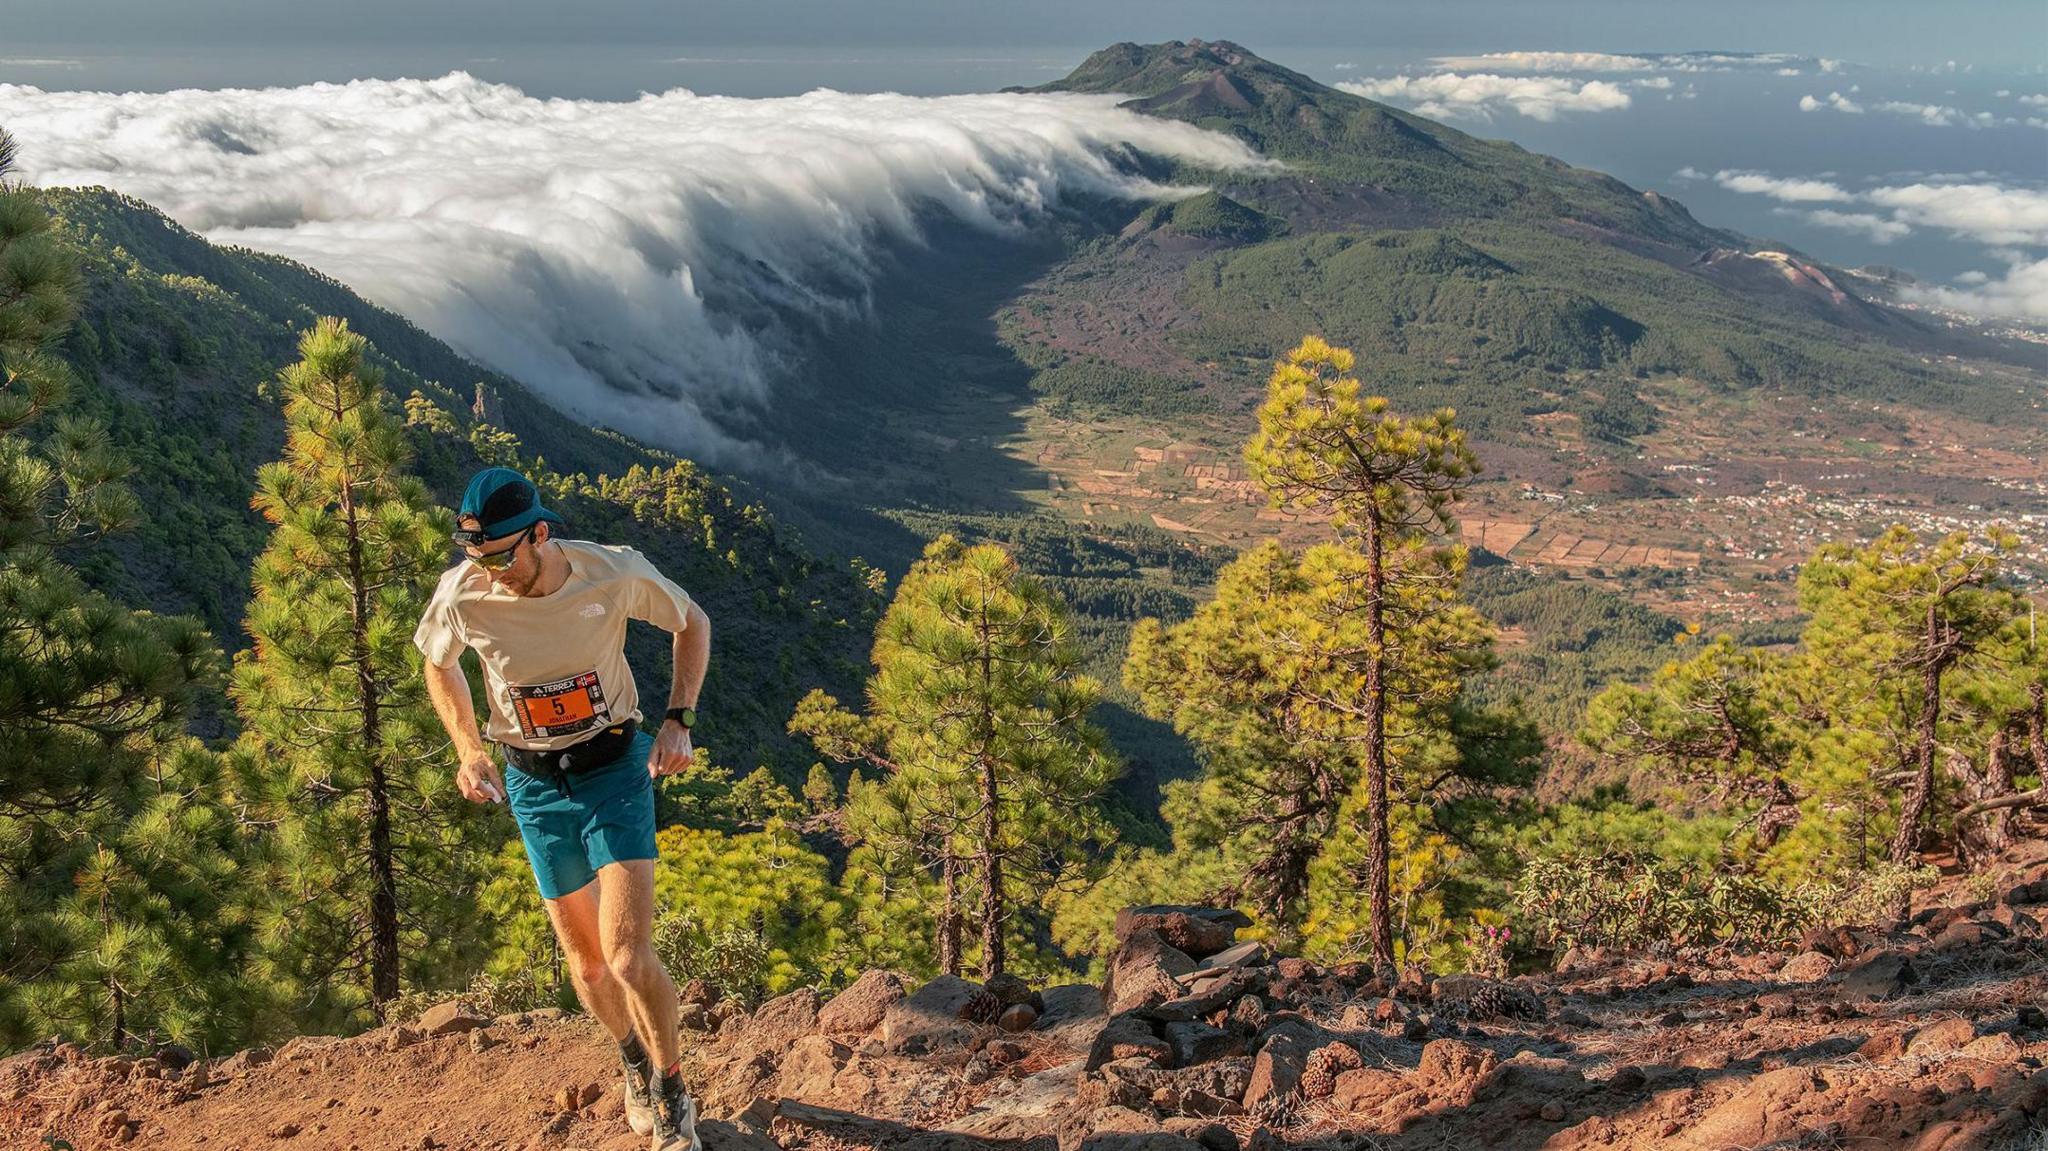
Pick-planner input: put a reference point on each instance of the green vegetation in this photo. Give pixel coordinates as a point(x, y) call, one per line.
point(1632, 901)
point(1070, 384)
point(978, 721)
point(1575, 638)
point(1215, 216)
point(365, 853)
point(1827, 751)
point(118, 862)
point(1499, 318)
point(1335, 737)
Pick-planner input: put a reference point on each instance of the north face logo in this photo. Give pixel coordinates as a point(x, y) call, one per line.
point(591, 611)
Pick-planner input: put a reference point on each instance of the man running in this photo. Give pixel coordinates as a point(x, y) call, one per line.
point(547, 619)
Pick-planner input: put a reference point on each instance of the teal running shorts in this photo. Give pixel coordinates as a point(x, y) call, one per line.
point(607, 816)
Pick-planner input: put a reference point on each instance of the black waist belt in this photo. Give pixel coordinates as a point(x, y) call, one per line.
point(563, 762)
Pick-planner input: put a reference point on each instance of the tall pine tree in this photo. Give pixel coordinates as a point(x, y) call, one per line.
point(116, 870)
point(979, 710)
point(1385, 481)
point(370, 853)
point(1264, 681)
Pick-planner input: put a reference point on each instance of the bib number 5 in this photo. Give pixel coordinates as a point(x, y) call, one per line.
point(563, 707)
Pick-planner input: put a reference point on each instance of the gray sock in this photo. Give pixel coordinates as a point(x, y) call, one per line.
point(636, 1058)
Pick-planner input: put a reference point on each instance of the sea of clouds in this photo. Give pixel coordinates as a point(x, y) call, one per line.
point(613, 255)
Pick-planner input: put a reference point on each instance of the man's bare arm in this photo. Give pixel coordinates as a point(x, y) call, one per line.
point(477, 776)
point(691, 656)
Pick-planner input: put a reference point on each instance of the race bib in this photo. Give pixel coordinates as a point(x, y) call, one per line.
point(563, 707)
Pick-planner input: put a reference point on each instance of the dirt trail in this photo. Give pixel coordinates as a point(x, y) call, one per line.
point(1931, 1037)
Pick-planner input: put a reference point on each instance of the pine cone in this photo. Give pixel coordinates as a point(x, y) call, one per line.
point(1503, 1001)
point(1275, 1111)
point(1319, 1079)
point(984, 1008)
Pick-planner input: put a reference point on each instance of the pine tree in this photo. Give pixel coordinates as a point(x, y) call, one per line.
point(979, 711)
point(1917, 662)
point(1235, 681)
point(821, 795)
point(370, 850)
point(1717, 720)
point(1891, 622)
point(155, 924)
point(899, 831)
point(1384, 481)
point(115, 874)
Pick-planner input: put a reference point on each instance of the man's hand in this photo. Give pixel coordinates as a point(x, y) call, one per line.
point(478, 779)
point(671, 752)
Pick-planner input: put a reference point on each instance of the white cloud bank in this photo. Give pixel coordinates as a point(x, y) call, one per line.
point(1542, 86)
point(1991, 213)
point(1835, 100)
point(620, 257)
point(2022, 291)
point(1781, 188)
point(1932, 115)
point(2012, 219)
point(1479, 95)
point(1550, 61)
point(1878, 229)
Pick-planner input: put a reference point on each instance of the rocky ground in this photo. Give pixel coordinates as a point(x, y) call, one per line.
point(1928, 1037)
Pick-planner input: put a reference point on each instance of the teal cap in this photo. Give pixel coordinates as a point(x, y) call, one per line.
point(504, 503)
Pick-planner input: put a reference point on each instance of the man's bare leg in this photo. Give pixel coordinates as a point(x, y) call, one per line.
point(576, 919)
point(625, 928)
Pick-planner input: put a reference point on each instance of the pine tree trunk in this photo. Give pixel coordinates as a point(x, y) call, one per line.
point(1377, 837)
point(1993, 831)
point(1998, 783)
point(2037, 737)
point(991, 877)
point(949, 914)
point(991, 830)
point(1906, 840)
point(120, 1015)
point(383, 876)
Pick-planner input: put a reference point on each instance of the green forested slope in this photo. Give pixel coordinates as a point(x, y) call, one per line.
point(174, 347)
point(1466, 271)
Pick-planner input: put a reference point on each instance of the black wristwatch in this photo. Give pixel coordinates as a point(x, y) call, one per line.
point(687, 716)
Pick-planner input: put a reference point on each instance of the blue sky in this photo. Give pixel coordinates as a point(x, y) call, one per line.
point(2005, 34)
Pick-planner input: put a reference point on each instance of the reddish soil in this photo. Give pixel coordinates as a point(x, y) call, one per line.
point(1928, 1037)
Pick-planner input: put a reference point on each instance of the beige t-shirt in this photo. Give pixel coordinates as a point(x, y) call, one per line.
point(554, 665)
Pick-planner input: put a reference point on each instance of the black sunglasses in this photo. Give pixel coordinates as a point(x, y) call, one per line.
point(493, 561)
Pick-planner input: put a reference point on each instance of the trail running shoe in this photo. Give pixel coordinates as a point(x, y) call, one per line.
point(639, 1105)
point(675, 1116)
